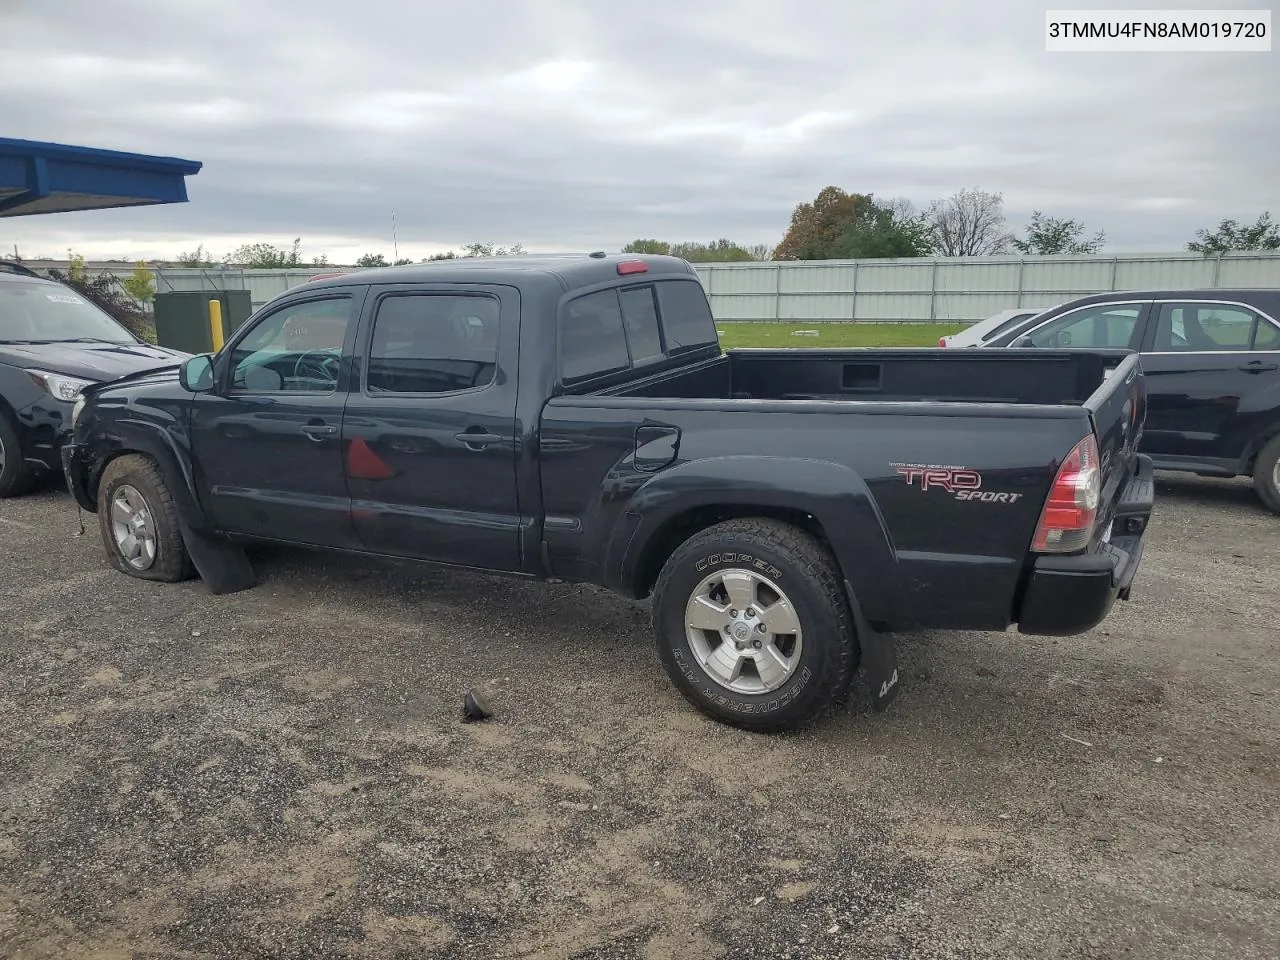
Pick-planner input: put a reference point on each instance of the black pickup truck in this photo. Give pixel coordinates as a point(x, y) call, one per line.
point(1211, 359)
point(574, 418)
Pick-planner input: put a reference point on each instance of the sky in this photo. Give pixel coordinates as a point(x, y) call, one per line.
point(576, 125)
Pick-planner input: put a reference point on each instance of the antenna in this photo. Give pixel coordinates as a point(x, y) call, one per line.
point(395, 246)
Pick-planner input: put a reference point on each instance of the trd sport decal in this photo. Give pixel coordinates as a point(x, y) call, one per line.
point(961, 482)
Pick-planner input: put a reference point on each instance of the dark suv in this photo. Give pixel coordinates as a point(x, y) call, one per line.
point(1212, 364)
point(52, 343)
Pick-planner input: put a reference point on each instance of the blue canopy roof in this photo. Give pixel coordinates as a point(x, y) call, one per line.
point(55, 178)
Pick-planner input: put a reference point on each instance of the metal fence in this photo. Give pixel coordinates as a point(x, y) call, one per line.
point(957, 289)
point(943, 290)
point(263, 285)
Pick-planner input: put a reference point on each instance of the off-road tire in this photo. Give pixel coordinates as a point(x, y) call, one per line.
point(172, 562)
point(805, 570)
point(1264, 475)
point(16, 475)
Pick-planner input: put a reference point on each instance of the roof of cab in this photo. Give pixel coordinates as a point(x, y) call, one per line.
point(571, 270)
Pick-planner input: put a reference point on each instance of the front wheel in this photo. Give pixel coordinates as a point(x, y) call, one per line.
point(139, 521)
point(1266, 475)
point(752, 625)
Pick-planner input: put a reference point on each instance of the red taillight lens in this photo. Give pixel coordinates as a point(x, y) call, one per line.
point(633, 266)
point(942, 341)
point(1069, 515)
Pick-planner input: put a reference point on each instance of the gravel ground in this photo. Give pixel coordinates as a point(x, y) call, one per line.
point(283, 772)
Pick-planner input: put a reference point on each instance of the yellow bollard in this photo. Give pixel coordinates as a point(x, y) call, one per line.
point(215, 323)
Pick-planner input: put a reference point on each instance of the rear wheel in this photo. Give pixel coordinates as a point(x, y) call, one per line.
point(752, 625)
point(139, 521)
point(16, 474)
point(1266, 475)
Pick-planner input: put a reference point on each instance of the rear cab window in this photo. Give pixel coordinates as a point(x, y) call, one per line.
point(640, 317)
point(632, 325)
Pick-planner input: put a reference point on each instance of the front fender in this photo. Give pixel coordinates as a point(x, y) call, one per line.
point(119, 437)
point(831, 493)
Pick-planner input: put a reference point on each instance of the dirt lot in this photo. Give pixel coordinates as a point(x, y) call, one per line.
point(283, 772)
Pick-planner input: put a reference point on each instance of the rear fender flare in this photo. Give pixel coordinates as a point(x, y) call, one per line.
point(833, 494)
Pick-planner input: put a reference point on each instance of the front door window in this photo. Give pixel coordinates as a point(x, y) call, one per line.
point(297, 349)
point(1105, 325)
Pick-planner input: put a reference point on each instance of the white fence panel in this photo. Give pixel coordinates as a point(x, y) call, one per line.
point(943, 289)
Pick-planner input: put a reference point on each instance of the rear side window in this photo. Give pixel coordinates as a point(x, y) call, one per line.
point(592, 341)
point(613, 330)
point(433, 343)
point(1267, 336)
point(686, 316)
point(1202, 328)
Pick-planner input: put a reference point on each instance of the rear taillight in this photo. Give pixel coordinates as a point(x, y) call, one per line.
point(1069, 515)
point(942, 341)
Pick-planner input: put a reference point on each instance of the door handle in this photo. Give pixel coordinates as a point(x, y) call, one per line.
point(315, 431)
point(1257, 366)
point(476, 439)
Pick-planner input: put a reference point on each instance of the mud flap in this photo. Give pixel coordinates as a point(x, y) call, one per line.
point(879, 657)
point(223, 566)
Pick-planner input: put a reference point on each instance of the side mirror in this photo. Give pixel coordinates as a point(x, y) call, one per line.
point(196, 373)
point(1022, 341)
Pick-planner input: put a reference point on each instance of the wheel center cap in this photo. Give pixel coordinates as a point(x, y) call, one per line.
point(740, 631)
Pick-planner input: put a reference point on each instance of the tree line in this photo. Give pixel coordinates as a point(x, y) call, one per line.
point(839, 225)
point(266, 256)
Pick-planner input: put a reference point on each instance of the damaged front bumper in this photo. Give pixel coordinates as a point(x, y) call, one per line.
point(75, 471)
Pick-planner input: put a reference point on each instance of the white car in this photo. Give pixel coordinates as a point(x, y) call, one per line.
point(979, 333)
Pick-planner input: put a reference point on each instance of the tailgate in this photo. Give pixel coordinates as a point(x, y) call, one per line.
point(1118, 409)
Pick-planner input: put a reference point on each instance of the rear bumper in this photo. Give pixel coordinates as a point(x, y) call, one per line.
point(1072, 594)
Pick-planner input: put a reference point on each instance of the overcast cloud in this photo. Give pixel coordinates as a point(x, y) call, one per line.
point(574, 125)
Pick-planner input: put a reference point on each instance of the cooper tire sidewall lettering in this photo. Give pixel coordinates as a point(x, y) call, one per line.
point(734, 559)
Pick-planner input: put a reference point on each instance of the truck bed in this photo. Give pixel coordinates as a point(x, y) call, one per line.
point(848, 433)
point(1036, 377)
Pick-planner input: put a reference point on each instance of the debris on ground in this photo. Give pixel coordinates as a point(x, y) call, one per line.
point(476, 706)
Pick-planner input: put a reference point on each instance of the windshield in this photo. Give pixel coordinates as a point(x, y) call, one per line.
point(35, 311)
point(1013, 321)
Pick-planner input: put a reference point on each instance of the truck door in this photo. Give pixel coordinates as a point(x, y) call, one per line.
point(1202, 361)
point(430, 431)
point(266, 442)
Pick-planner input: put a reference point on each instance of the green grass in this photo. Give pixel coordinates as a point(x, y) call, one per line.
point(834, 334)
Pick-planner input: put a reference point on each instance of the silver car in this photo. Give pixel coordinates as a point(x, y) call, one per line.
point(979, 333)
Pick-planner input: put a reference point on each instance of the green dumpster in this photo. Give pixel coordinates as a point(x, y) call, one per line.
point(182, 317)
